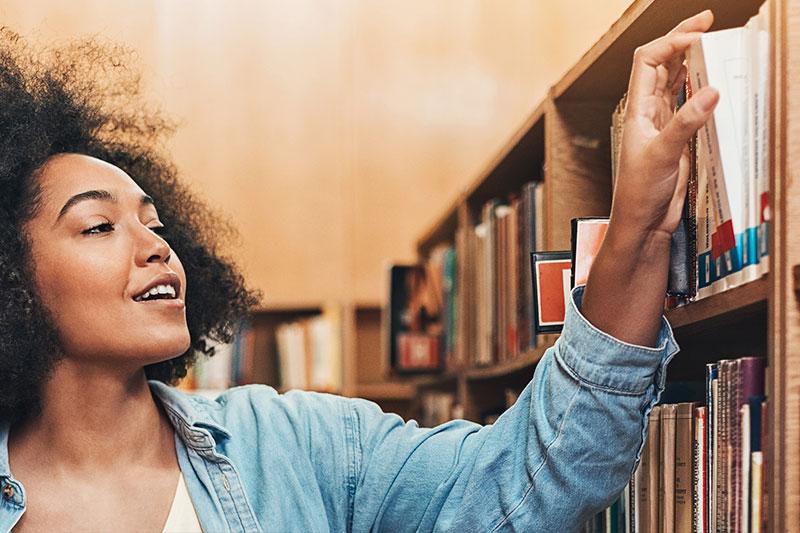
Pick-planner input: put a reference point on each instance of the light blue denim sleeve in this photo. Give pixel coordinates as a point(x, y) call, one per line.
point(564, 451)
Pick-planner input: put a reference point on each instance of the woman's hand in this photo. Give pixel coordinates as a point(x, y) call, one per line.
point(625, 293)
point(654, 157)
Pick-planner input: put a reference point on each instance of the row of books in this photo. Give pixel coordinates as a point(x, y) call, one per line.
point(702, 466)
point(722, 241)
point(471, 303)
point(231, 364)
point(310, 352)
point(496, 275)
point(438, 407)
point(299, 354)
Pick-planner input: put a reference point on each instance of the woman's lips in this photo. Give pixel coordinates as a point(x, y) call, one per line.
point(168, 303)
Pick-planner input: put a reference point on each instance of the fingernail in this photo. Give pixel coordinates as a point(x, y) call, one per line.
point(706, 99)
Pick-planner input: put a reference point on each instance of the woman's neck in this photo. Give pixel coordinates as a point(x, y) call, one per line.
point(95, 417)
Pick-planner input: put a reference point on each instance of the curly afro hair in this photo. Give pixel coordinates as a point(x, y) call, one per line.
point(82, 98)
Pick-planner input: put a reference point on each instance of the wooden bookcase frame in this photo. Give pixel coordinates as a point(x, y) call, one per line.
point(565, 140)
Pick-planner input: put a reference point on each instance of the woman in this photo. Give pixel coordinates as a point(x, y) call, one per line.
point(110, 276)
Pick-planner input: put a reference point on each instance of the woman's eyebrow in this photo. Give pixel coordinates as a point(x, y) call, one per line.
point(102, 195)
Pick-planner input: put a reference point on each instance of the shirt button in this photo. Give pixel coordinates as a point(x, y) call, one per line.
point(8, 492)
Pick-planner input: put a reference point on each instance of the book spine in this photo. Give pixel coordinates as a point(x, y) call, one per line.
point(641, 491)
point(722, 449)
point(684, 430)
point(699, 458)
point(666, 487)
point(654, 471)
point(756, 480)
point(744, 494)
point(711, 380)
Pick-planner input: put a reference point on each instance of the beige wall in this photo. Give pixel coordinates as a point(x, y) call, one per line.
point(334, 132)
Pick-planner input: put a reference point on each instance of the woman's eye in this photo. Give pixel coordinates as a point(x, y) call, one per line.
point(100, 228)
point(159, 230)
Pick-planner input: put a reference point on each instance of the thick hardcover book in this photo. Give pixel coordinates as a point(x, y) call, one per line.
point(488, 221)
point(666, 486)
point(711, 405)
point(512, 280)
point(641, 492)
point(718, 59)
point(743, 498)
point(526, 216)
point(654, 474)
point(684, 438)
point(724, 448)
point(699, 467)
point(502, 215)
point(551, 289)
point(750, 383)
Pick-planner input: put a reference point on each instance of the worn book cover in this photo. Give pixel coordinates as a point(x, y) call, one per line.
point(654, 475)
point(551, 288)
point(666, 487)
point(587, 237)
point(684, 436)
point(699, 462)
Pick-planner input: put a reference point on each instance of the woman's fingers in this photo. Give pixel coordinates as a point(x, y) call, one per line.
point(700, 22)
point(671, 142)
point(668, 52)
point(646, 60)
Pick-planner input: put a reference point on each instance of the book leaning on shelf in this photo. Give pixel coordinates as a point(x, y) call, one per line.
point(722, 241)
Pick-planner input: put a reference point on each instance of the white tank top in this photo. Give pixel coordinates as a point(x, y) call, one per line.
point(182, 516)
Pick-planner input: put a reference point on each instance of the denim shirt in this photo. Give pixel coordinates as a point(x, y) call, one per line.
point(256, 460)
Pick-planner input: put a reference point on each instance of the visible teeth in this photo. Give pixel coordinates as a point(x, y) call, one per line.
point(156, 291)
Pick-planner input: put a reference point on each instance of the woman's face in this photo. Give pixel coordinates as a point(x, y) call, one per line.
point(96, 251)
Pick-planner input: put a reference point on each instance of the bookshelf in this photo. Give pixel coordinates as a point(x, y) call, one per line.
point(565, 141)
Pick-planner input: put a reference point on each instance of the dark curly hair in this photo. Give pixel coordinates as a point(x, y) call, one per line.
point(83, 98)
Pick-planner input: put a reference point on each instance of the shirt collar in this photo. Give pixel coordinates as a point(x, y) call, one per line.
point(189, 410)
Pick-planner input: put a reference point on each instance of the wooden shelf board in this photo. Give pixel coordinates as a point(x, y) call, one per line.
point(524, 361)
point(433, 381)
point(368, 305)
point(740, 302)
point(603, 71)
point(388, 390)
point(290, 308)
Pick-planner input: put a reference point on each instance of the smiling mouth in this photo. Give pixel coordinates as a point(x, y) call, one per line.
point(159, 292)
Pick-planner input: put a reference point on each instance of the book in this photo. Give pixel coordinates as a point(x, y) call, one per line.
point(552, 273)
point(528, 226)
point(654, 473)
point(587, 238)
point(684, 439)
point(699, 462)
point(666, 483)
point(718, 60)
point(641, 490)
point(711, 406)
